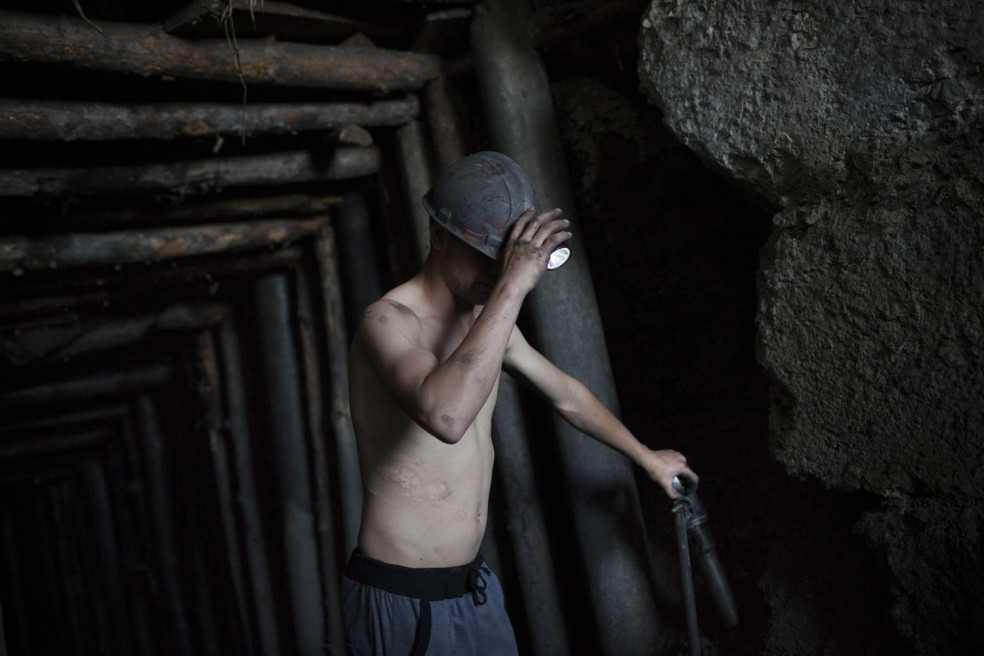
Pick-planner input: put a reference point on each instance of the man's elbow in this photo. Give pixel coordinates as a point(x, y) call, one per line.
point(446, 428)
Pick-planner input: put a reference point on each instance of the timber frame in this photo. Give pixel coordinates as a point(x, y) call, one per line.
point(195, 206)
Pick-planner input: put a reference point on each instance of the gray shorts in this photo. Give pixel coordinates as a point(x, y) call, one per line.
point(400, 611)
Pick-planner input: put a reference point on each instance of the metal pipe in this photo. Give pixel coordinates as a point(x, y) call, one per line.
point(687, 582)
point(567, 327)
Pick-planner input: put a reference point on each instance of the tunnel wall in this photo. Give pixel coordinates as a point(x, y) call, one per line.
point(857, 124)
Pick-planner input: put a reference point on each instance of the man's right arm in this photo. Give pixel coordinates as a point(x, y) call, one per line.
point(442, 397)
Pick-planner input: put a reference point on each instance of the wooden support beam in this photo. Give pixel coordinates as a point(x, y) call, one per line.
point(160, 508)
point(312, 370)
point(198, 175)
point(97, 121)
point(27, 345)
point(211, 392)
point(247, 495)
point(283, 20)
point(284, 429)
point(122, 381)
point(39, 449)
point(149, 51)
point(287, 205)
point(447, 128)
point(416, 175)
point(20, 254)
point(444, 32)
point(340, 417)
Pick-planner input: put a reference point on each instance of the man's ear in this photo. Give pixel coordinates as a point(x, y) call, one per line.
point(438, 236)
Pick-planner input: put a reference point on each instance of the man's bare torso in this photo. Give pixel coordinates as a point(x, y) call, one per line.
point(426, 501)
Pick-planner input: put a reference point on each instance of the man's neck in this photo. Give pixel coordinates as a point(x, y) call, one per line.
point(441, 301)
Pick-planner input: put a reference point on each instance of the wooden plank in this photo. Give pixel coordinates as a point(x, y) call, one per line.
point(192, 176)
point(149, 51)
point(97, 121)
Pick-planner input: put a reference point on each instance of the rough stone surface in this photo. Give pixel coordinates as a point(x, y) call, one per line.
point(859, 122)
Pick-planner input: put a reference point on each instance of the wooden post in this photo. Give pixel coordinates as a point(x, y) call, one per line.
point(346, 452)
point(283, 406)
point(149, 51)
point(319, 430)
point(55, 120)
point(450, 141)
point(101, 524)
point(254, 540)
point(162, 529)
point(211, 393)
point(17, 617)
point(417, 177)
point(198, 175)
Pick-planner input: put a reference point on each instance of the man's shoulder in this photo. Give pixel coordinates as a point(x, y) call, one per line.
point(388, 323)
point(387, 310)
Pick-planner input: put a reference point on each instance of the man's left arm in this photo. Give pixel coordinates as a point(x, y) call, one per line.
point(573, 401)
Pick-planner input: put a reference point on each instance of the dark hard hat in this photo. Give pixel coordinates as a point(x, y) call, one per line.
point(479, 197)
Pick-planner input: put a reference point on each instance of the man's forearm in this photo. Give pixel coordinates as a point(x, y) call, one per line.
point(460, 386)
point(590, 416)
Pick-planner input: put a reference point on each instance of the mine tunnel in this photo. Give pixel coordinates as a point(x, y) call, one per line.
point(777, 270)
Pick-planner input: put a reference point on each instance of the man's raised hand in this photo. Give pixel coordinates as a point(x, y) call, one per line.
point(531, 241)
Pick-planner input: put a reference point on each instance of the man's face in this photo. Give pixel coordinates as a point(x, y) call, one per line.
point(470, 275)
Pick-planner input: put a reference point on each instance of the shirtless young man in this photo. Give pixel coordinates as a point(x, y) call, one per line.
point(424, 373)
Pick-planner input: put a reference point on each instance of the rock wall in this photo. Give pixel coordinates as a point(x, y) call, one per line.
point(859, 124)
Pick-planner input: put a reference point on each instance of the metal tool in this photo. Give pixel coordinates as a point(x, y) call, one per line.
point(691, 520)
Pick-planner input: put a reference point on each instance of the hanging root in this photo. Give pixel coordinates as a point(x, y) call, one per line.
point(229, 27)
point(78, 8)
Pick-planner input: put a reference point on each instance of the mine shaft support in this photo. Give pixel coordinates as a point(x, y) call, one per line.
point(149, 51)
point(567, 329)
point(55, 120)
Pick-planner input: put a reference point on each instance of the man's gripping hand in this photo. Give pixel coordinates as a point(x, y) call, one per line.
point(531, 241)
point(662, 466)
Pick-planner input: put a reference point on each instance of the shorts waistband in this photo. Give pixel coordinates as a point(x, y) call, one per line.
point(425, 583)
